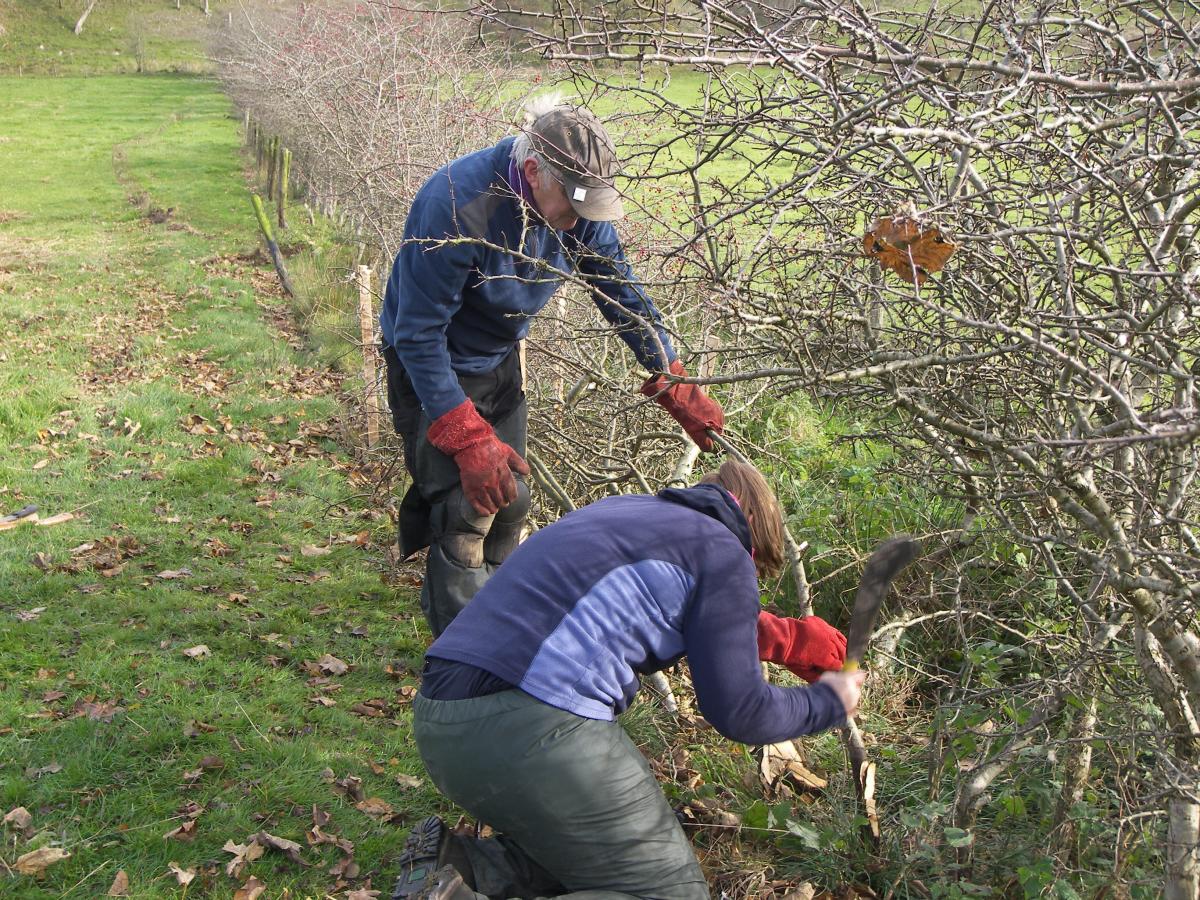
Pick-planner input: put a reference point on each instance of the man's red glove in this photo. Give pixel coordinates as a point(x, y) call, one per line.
point(688, 404)
point(485, 463)
point(807, 647)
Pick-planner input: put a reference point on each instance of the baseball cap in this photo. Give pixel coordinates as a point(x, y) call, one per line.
point(574, 142)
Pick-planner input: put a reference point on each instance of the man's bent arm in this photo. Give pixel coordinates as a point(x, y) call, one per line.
point(624, 302)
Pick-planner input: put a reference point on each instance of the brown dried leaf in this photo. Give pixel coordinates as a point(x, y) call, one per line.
point(37, 861)
point(350, 786)
point(375, 807)
point(183, 876)
point(408, 781)
point(18, 818)
point(313, 550)
point(120, 885)
point(251, 890)
point(172, 574)
point(195, 728)
point(346, 867)
point(185, 832)
point(200, 651)
point(242, 854)
point(290, 849)
point(331, 665)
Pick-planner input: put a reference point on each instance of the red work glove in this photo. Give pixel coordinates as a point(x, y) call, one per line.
point(807, 647)
point(485, 463)
point(688, 404)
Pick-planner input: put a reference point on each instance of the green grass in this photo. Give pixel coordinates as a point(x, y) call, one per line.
point(116, 334)
point(38, 36)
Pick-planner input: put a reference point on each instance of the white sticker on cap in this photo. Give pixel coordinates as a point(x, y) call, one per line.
point(580, 194)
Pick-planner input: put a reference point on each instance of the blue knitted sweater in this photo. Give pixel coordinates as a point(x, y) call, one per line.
point(628, 586)
point(476, 263)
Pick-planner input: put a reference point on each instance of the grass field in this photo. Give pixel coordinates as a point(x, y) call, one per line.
point(153, 388)
point(37, 36)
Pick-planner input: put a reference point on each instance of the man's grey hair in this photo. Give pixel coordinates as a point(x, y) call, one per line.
point(522, 148)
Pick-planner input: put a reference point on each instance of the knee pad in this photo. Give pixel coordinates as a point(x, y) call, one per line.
point(463, 531)
point(505, 533)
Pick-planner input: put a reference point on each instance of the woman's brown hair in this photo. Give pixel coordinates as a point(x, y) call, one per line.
point(761, 509)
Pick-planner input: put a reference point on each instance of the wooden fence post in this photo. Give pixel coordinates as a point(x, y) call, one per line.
point(366, 324)
point(285, 165)
point(272, 162)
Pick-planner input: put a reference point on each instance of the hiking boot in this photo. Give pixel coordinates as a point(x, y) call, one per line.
point(420, 858)
point(445, 884)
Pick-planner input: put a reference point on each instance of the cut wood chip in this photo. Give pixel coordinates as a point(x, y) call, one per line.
point(55, 520)
point(37, 861)
point(120, 885)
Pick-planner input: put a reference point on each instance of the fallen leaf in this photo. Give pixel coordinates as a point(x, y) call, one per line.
point(41, 463)
point(19, 818)
point(211, 762)
point(346, 867)
point(53, 696)
point(97, 712)
point(242, 854)
point(183, 876)
point(331, 665)
point(320, 818)
point(195, 728)
point(120, 885)
point(313, 550)
point(30, 615)
point(37, 861)
point(52, 769)
point(250, 890)
point(372, 709)
point(375, 807)
point(901, 243)
point(290, 849)
point(198, 652)
point(362, 894)
point(171, 574)
point(185, 832)
point(408, 781)
point(351, 787)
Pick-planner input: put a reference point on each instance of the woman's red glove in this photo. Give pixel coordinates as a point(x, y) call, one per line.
point(688, 405)
point(807, 647)
point(485, 463)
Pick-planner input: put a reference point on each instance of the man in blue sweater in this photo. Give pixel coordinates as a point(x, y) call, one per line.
point(489, 238)
point(516, 717)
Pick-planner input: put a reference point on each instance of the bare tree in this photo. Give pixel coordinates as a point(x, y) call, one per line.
point(83, 18)
point(1043, 388)
point(1037, 399)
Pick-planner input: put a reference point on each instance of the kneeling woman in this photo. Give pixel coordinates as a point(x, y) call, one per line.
point(516, 717)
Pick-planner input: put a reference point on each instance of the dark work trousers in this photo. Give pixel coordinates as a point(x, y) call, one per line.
point(577, 807)
point(464, 547)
